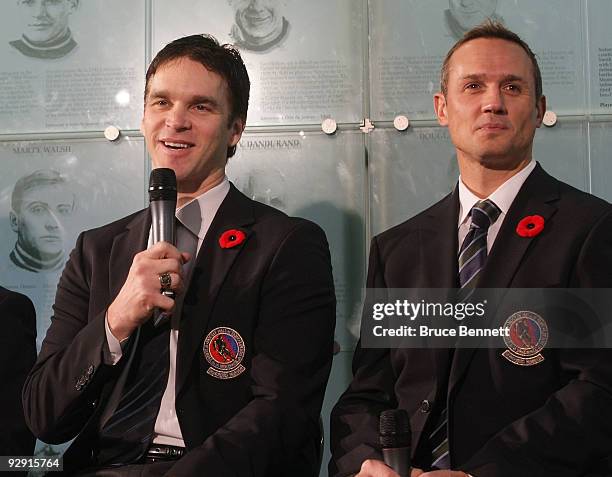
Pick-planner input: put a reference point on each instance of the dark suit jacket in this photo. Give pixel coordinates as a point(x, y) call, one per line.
point(551, 419)
point(17, 356)
point(275, 289)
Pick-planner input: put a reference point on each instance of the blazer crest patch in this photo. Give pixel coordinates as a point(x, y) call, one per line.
point(224, 350)
point(527, 336)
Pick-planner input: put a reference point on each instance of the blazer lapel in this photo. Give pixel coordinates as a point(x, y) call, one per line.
point(125, 246)
point(438, 242)
point(211, 268)
point(537, 196)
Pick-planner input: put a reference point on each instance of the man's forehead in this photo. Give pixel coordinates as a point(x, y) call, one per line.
point(175, 65)
point(47, 192)
point(490, 55)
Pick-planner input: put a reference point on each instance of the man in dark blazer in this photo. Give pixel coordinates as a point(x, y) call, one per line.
point(17, 356)
point(541, 417)
point(250, 352)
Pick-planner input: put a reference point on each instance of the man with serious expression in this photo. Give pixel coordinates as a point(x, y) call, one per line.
point(491, 110)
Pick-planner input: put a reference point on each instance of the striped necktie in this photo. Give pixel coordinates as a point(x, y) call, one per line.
point(473, 251)
point(472, 257)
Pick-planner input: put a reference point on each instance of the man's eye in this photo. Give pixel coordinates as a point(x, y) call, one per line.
point(472, 86)
point(201, 107)
point(512, 87)
point(37, 210)
point(64, 209)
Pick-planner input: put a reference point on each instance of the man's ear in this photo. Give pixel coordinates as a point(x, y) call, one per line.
point(236, 129)
point(540, 110)
point(440, 108)
point(14, 221)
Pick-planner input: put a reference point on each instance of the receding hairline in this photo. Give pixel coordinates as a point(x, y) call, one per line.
point(507, 75)
point(492, 30)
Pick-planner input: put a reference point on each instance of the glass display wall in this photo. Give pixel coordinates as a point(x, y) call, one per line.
point(334, 85)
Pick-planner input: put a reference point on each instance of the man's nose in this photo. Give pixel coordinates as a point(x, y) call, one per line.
point(177, 118)
point(256, 4)
point(493, 102)
point(40, 9)
point(52, 224)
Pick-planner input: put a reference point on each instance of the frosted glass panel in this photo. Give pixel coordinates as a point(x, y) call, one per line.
point(304, 59)
point(339, 379)
point(408, 172)
point(601, 159)
point(89, 77)
point(49, 192)
point(320, 178)
point(409, 39)
point(562, 151)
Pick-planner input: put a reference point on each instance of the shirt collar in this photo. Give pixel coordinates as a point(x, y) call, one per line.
point(210, 201)
point(502, 197)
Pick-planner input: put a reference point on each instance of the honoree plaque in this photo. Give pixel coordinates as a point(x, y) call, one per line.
point(409, 171)
point(600, 55)
point(305, 59)
point(71, 65)
point(409, 39)
point(320, 178)
point(50, 191)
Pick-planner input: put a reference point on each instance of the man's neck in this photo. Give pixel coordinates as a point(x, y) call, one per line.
point(187, 193)
point(482, 180)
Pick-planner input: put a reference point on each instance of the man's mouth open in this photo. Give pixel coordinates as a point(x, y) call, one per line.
point(177, 145)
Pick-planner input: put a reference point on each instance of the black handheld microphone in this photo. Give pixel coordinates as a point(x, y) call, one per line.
point(162, 204)
point(395, 439)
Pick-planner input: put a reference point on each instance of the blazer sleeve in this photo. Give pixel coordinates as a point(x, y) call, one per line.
point(17, 356)
point(354, 419)
point(62, 390)
point(571, 433)
point(293, 345)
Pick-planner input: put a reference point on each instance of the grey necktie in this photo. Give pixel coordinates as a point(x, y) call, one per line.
point(189, 220)
point(187, 230)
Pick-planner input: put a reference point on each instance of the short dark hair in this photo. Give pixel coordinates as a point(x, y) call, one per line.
point(39, 178)
point(492, 29)
point(225, 60)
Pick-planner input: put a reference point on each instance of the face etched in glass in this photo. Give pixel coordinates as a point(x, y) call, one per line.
point(45, 20)
point(259, 23)
point(39, 222)
point(470, 13)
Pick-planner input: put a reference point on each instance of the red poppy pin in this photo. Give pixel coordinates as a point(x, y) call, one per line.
point(231, 238)
point(530, 226)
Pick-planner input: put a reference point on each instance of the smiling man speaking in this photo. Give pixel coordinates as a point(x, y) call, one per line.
point(233, 384)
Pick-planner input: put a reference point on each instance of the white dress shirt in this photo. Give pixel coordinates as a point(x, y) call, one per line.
point(502, 197)
point(167, 429)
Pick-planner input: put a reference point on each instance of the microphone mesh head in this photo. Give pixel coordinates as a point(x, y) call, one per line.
point(394, 429)
point(162, 184)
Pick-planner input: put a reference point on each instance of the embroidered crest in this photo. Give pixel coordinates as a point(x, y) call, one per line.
point(224, 350)
point(527, 336)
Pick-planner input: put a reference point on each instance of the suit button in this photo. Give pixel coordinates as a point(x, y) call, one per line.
point(425, 406)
